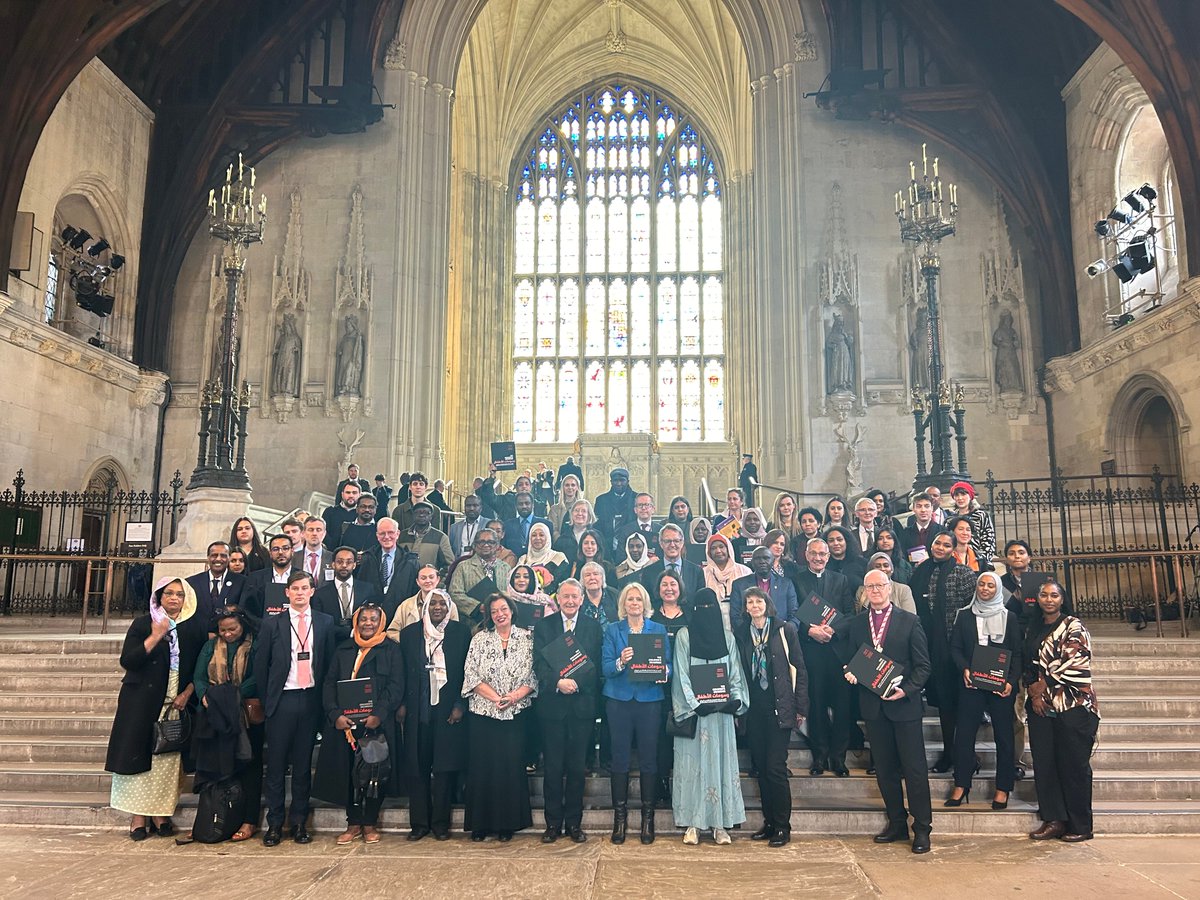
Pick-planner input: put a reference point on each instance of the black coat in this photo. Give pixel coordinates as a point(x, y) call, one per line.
point(404, 577)
point(791, 697)
point(551, 705)
point(231, 594)
point(904, 643)
point(449, 741)
point(326, 599)
point(964, 638)
point(385, 668)
point(143, 690)
point(834, 589)
point(255, 589)
point(691, 574)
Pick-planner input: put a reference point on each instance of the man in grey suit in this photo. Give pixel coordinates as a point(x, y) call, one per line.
point(313, 558)
point(462, 533)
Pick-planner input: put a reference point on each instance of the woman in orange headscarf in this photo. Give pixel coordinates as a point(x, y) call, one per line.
point(365, 654)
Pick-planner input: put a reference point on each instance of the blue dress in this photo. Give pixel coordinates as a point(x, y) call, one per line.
point(707, 791)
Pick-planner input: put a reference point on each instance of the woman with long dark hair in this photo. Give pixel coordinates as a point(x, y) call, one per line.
point(244, 536)
point(887, 541)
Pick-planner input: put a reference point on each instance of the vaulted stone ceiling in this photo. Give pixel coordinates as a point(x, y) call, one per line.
point(523, 56)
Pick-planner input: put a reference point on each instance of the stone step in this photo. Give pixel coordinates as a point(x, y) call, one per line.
point(63, 704)
point(1174, 707)
point(53, 749)
point(1160, 647)
point(1147, 729)
point(1103, 666)
point(60, 682)
point(90, 810)
point(88, 663)
point(1148, 685)
point(52, 725)
point(34, 644)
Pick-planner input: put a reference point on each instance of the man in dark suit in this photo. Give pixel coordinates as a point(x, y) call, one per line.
point(614, 509)
point(341, 514)
point(516, 530)
point(643, 524)
point(260, 596)
point(894, 725)
point(748, 478)
point(383, 495)
point(340, 596)
point(216, 586)
point(566, 709)
point(392, 570)
point(779, 588)
point(293, 652)
point(313, 558)
point(828, 693)
point(671, 540)
point(352, 478)
point(864, 527)
point(918, 534)
point(568, 468)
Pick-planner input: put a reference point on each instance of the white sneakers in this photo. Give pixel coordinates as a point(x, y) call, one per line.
point(721, 836)
point(691, 836)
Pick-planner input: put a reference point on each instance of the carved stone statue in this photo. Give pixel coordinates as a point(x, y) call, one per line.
point(854, 462)
point(918, 350)
point(839, 358)
point(217, 365)
point(1009, 378)
point(351, 352)
point(285, 359)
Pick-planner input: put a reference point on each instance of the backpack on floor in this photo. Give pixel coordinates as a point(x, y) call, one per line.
point(219, 814)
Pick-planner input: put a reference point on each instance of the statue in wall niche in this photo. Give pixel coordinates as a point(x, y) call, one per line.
point(217, 366)
point(839, 358)
point(1009, 378)
point(918, 350)
point(285, 359)
point(351, 351)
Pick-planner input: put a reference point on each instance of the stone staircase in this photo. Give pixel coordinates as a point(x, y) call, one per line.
point(58, 695)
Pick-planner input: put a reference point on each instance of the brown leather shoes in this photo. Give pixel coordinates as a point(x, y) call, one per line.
point(1073, 838)
point(1049, 831)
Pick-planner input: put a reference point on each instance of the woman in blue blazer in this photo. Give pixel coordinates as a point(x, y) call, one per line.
point(634, 709)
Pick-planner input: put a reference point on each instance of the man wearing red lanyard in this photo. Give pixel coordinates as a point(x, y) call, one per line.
point(294, 651)
point(894, 723)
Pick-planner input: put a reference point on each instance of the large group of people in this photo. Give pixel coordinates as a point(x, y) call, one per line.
point(550, 633)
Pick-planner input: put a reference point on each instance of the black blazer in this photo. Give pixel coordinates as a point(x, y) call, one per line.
point(514, 534)
point(964, 638)
point(254, 591)
point(791, 699)
point(326, 600)
point(909, 539)
point(550, 703)
point(273, 660)
point(905, 644)
point(404, 577)
point(691, 574)
point(834, 589)
point(650, 537)
point(144, 688)
point(232, 585)
point(449, 741)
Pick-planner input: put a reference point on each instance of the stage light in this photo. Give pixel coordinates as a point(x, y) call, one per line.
point(99, 247)
point(1100, 265)
point(68, 234)
point(78, 239)
point(1119, 216)
point(1148, 192)
point(116, 261)
point(1131, 200)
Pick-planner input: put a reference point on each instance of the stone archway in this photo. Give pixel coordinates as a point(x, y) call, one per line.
point(1145, 427)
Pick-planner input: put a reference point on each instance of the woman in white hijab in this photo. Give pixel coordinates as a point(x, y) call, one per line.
point(542, 554)
point(637, 557)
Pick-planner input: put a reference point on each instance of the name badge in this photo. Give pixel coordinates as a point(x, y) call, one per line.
point(303, 655)
point(329, 573)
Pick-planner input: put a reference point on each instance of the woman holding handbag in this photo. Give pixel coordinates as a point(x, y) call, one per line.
point(778, 685)
point(159, 657)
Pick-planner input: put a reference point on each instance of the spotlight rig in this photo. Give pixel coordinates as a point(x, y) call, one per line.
point(89, 268)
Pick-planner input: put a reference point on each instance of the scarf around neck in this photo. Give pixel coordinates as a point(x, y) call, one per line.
point(992, 613)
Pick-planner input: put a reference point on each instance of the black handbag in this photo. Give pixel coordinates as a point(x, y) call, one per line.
point(684, 729)
point(172, 735)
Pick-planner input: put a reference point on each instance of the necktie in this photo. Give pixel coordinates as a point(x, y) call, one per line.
point(386, 572)
point(675, 568)
point(312, 564)
point(216, 591)
point(570, 625)
point(344, 590)
point(304, 676)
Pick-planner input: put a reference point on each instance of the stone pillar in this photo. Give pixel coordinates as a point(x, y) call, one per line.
point(211, 512)
point(417, 365)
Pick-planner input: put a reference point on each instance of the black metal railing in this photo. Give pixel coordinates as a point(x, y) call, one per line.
point(42, 531)
point(1098, 533)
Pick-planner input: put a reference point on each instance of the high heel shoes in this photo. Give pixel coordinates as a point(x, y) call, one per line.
point(959, 801)
point(1001, 804)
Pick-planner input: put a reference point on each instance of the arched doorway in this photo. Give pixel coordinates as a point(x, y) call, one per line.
point(1144, 428)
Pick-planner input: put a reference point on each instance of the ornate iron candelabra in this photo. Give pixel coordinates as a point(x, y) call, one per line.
point(237, 220)
point(927, 213)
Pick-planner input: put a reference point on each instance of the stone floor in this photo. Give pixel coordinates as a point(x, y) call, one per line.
point(65, 864)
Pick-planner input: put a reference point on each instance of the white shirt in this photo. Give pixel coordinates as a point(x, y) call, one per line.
point(349, 583)
point(301, 640)
point(276, 578)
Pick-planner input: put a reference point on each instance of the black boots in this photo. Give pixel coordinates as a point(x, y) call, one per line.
point(649, 789)
point(620, 800)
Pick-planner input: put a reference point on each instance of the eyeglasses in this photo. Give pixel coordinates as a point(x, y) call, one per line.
point(670, 540)
point(875, 587)
point(484, 541)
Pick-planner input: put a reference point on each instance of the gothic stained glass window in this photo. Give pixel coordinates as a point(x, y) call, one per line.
point(618, 283)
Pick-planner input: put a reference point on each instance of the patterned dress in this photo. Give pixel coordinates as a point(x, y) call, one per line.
point(707, 789)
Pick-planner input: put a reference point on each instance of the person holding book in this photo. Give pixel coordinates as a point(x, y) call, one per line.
point(986, 647)
point(541, 554)
point(500, 684)
point(633, 699)
point(566, 710)
point(1062, 717)
point(478, 576)
point(366, 655)
point(892, 709)
point(707, 688)
point(525, 587)
point(672, 615)
point(778, 685)
point(432, 712)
